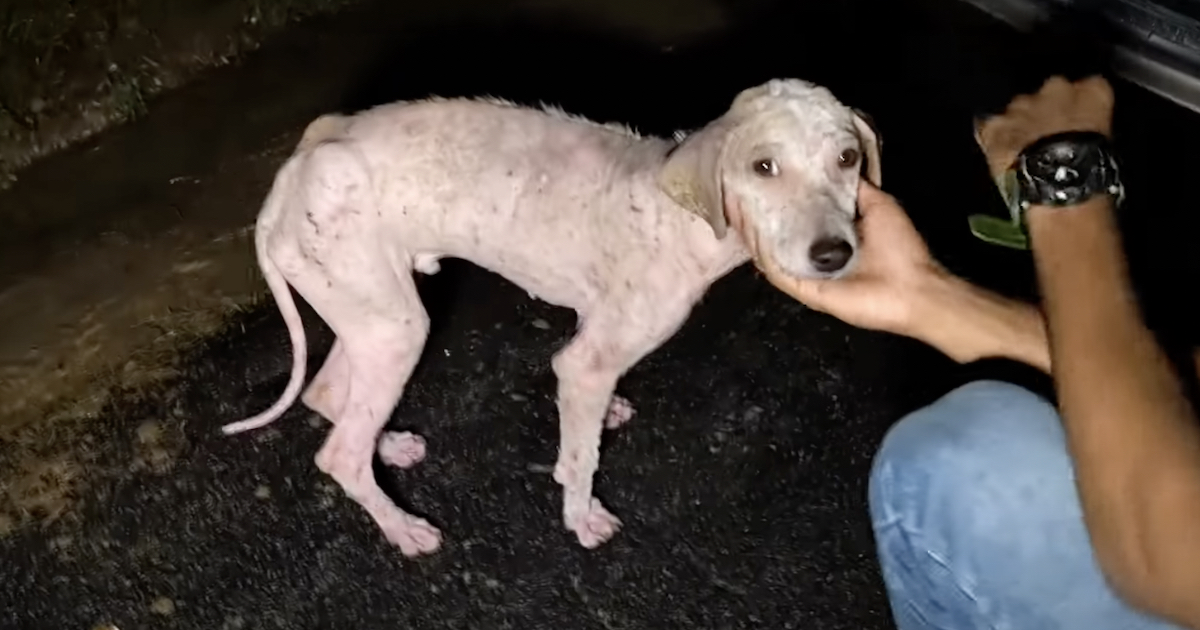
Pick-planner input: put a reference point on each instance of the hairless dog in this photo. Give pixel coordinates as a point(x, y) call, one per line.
point(629, 231)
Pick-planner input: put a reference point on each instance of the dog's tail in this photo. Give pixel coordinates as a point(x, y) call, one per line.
point(282, 293)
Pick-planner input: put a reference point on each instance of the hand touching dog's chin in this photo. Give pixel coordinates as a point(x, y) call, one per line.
point(767, 259)
point(791, 262)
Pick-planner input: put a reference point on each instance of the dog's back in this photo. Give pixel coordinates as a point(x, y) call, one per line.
point(560, 205)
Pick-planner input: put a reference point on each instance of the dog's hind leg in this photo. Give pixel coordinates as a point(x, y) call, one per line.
point(381, 326)
point(365, 292)
point(326, 395)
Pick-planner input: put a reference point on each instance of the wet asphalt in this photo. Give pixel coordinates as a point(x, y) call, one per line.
point(741, 481)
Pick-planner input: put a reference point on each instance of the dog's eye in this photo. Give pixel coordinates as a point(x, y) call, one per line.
point(848, 158)
point(766, 167)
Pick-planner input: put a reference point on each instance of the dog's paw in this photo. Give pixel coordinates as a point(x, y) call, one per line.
point(594, 527)
point(620, 411)
point(413, 535)
point(401, 449)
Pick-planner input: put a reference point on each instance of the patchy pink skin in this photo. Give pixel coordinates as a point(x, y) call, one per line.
point(628, 231)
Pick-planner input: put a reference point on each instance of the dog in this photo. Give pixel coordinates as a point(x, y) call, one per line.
point(627, 230)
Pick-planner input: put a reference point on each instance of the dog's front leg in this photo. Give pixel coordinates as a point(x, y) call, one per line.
point(586, 381)
point(588, 369)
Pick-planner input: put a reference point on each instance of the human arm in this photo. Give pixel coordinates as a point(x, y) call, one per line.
point(898, 287)
point(968, 323)
point(1133, 435)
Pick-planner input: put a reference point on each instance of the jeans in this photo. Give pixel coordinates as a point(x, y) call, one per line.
point(978, 522)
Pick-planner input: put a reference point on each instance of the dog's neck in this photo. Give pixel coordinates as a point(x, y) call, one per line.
point(713, 257)
point(717, 256)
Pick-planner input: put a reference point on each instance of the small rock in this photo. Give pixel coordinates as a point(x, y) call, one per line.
point(262, 492)
point(163, 606)
point(268, 435)
point(518, 397)
point(149, 432)
point(541, 324)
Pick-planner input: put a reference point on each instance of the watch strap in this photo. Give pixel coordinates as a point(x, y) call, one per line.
point(1017, 191)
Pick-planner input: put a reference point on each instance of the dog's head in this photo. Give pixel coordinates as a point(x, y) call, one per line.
point(783, 167)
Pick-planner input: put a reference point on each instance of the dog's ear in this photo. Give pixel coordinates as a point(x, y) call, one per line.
point(872, 146)
point(691, 175)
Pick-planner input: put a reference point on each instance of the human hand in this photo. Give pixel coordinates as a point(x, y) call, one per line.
point(1085, 105)
point(881, 293)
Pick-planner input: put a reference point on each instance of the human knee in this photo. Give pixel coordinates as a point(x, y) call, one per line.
point(986, 445)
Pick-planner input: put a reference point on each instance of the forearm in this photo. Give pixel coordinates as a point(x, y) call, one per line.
point(969, 323)
point(1133, 435)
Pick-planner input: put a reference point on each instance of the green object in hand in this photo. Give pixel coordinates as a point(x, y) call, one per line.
point(998, 231)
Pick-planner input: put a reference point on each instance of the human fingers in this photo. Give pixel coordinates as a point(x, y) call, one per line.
point(871, 198)
point(1097, 89)
point(881, 211)
point(798, 288)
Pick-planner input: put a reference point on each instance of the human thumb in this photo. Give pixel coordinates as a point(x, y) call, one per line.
point(870, 197)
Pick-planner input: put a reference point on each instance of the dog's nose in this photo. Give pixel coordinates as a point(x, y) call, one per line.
point(830, 253)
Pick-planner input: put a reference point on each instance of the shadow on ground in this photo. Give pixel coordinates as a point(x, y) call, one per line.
point(742, 479)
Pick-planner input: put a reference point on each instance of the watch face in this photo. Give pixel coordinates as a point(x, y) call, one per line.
point(1064, 164)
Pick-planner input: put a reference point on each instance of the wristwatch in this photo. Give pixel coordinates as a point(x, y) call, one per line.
point(1056, 171)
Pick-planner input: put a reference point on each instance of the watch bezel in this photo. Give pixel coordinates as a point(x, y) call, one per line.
point(1104, 177)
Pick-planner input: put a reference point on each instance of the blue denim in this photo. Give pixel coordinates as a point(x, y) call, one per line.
point(978, 521)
